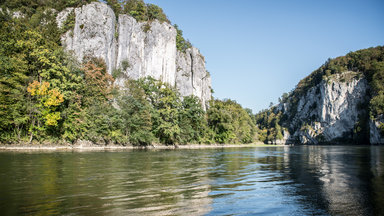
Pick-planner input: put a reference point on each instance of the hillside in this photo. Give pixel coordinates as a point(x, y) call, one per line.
point(136, 47)
point(341, 102)
point(78, 72)
point(118, 72)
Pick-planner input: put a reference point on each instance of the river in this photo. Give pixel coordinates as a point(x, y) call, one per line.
point(298, 180)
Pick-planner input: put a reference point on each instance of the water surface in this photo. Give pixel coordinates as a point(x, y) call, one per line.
point(303, 180)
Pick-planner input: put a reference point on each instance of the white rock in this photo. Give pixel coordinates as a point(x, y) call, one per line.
point(148, 48)
point(62, 16)
point(331, 108)
point(191, 76)
point(149, 52)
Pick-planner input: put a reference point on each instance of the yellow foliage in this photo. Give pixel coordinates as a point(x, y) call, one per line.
point(48, 99)
point(52, 118)
point(37, 89)
point(55, 98)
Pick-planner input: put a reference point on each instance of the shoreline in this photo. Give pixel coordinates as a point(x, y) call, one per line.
point(122, 148)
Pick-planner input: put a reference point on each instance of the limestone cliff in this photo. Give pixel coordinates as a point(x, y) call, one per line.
point(139, 49)
point(340, 102)
point(192, 77)
point(329, 111)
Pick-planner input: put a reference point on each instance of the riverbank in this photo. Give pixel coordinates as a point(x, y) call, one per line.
point(24, 147)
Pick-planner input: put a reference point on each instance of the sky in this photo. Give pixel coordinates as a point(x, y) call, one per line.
point(258, 49)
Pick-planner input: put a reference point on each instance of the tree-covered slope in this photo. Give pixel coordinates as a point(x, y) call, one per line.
point(355, 79)
point(48, 96)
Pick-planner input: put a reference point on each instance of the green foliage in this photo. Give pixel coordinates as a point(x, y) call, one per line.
point(192, 120)
point(69, 23)
point(116, 73)
point(230, 122)
point(269, 122)
point(29, 7)
point(115, 5)
point(146, 27)
point(181, 43)
point(138, 9)
point(368, 63)
point(28, 54)
point(136, 113)
point(13, 78)
point(172, 121)
point(125, 65)
point(155, 12)
point(382, 129)
point(47, 95)
point(166, 103)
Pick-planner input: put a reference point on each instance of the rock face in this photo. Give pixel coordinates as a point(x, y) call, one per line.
point(147, 48)
point(328, 112)
point(94, 33)
point(192, 77)
point(376, 134)
point(139, 49)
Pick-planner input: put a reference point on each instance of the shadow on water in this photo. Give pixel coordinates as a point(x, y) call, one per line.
point(303, 180)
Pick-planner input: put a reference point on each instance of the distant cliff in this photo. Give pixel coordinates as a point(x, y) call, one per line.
point(341, 102)
point(329, 111)
point(138, 49)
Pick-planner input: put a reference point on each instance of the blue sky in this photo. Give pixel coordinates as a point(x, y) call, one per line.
point(258, 49)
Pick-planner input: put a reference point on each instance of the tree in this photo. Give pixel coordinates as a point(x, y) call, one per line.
point(44, 103)
point(230, 122)
point(155, 12)
point(13, 80)
point(191, 120)
point(101, 118)
point(136, 8)
point(26, 55)
point(136, 114)
point(115, 5)
point(167, 126)
point(181, 43)
point(166, 106)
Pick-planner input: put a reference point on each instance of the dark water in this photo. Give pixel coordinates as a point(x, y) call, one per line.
point(306, 180)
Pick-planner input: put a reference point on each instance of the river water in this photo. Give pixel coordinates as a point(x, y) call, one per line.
point(301, 180)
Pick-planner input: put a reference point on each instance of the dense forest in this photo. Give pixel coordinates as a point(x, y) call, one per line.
point(47, 96)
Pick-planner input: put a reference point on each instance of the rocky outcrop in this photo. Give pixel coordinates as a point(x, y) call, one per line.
point(329, 111)
point(376, 130)
point(63, 16)
point(93, 34)
point(192, 77)
point(148, 49)
point(285, 140)
point(138, 49)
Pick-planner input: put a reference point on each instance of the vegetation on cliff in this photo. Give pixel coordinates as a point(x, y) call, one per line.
point(47, 96)
point(366, 62)
point(37, 11)
point(143, 12)
point(138, 9)
point(31, 7)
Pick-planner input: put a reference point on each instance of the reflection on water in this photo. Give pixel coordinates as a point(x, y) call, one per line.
point(342, 180)
point(305, 180)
